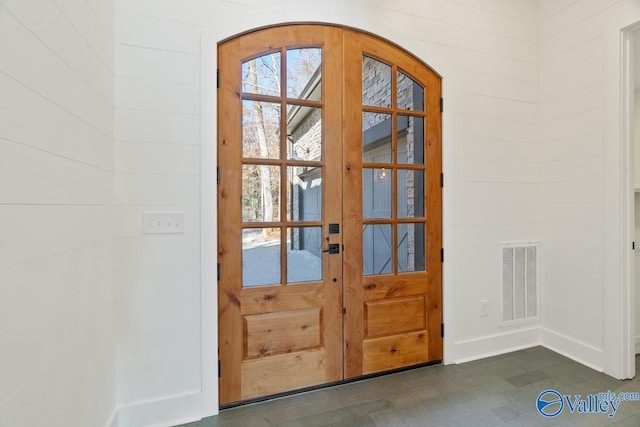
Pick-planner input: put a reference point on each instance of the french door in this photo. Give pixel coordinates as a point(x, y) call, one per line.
point(329, 209)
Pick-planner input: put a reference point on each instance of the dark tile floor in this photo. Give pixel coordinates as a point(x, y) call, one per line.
point(498, 391)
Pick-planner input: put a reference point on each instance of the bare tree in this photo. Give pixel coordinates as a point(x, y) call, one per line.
point(262, 126)
point(261, 135)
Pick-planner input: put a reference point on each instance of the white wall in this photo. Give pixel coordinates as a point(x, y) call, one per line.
point(487, 54)
point(157, 169)
point(571, 192)
point(57, 340)
point(581, 171)
point(530, 153)
point(528, 115)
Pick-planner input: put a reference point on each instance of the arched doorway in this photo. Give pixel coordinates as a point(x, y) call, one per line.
point(329, 209)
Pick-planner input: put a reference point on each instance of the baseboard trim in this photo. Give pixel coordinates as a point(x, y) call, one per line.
point(165, 411)
point(112, 421)
point(495, 345)
point(589, 356)
point(186, 407)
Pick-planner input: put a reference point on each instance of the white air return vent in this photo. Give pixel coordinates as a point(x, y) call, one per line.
point(519, 284)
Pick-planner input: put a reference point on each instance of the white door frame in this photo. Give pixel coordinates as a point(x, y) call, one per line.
point(628, 204)
point(618, 288)
point(208, 224)
point(208, 209)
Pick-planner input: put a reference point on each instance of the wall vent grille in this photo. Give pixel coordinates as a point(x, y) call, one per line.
point(519, 282)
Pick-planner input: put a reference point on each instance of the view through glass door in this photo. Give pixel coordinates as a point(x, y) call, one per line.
point(329, 210)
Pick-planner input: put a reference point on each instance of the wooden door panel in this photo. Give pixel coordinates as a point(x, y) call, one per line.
point(377, 287)
point(270, 299)
point(269, 334)
point(288, 334)
point(395, 351)
point(393, 314)
point(284, 372)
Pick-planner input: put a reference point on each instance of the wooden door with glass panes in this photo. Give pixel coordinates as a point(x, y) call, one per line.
point(328, 210)
point(392, 217)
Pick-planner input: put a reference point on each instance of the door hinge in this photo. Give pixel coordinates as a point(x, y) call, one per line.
point(441, 331)
point(441, 180)
point(441, 254)
point(219, 368)
point(218, 78)
point(441, 104)
point(218, 174)
point(218, 272)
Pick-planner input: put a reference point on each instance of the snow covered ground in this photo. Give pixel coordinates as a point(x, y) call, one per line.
point(261, 262)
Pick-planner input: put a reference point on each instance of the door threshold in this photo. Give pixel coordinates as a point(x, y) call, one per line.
point(326, 385)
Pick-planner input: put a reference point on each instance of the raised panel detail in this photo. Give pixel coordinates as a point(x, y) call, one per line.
point(407, 284)
point(394, 316)
point(267, 299)
point(381, 354)
point(282, 332)
point(285, 372)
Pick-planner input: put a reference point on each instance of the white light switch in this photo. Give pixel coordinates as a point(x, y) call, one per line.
point(163, 222)
point(484, 311)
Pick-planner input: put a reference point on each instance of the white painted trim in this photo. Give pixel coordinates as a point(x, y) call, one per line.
point(208, 168)
point(494, 345)
point(163, 411)
point(497, 353)
point(589, 356)
point(112, 421)
point(628, 201)
point(448, 213)
point(208, 225)
point(617, 290)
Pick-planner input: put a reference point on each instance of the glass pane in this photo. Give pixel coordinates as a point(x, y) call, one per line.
point(376, 249)
point(376, 193)
point(410, 94)
point(305, 193)
point(262, 75)
point(410, 193)
point(260, 193)
point(260, 256)
point(304, 133)
point(376, 82)
point(410, 247)
point(376, 137)
point(410, 140)
point(304, 254)
point(304, 73)
point(260, 130)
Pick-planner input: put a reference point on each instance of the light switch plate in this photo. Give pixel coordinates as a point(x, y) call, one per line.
point(163, 223)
